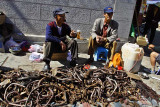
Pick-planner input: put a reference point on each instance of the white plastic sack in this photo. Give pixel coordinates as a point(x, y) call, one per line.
point(35, 48)
point(36, 57)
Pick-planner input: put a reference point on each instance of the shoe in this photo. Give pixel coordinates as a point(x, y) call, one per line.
point(158, 72)
point(89, 61)
point(46, 60)
point(146, 70)
point(143, 75)
point(46, 68)
point(152, 72)
point(73, 63)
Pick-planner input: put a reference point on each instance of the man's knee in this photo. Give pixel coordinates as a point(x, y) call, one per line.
point(154, 54)
point(74, 42)
point(48, 44)
point(114, 44)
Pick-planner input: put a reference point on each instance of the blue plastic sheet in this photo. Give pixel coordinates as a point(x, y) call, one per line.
point(152, 1)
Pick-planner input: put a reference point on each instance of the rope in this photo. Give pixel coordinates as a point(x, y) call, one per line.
point(139, 55)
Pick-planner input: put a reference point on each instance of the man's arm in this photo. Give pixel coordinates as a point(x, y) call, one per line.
point(94, 28)
point(50, 37)
point(154, 48)
point(157, 49)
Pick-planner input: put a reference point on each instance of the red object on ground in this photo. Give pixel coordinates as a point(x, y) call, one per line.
point(86, 66)
point(120, 68)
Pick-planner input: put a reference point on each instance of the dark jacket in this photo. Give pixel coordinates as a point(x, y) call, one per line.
point(52, 34)
point(151, 18)
point(6, 30)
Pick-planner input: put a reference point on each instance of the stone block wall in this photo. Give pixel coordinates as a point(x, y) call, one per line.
point(31, 16)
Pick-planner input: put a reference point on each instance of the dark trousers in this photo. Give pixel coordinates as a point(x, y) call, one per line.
point(153, 31)
point(53, 47)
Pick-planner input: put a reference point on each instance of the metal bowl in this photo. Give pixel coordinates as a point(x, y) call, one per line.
point(15, 50)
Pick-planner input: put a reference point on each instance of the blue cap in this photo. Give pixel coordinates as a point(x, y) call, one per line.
point(108, 10)
point(58, 11)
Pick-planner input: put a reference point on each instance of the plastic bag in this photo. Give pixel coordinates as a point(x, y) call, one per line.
point(35, 48)
point(10, 43)
point(69, 57)
point(116, 61)
point(36, 57)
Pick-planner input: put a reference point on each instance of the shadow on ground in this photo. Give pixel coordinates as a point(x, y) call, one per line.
point(5, 69)
point(81, 61)
point(144, 69)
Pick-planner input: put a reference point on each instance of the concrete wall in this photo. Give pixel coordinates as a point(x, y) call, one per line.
point(124, 10)
point(31, 16)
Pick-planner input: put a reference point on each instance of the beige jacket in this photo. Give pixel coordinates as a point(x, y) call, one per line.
point(112, 31)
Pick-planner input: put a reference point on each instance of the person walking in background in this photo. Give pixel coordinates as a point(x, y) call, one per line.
point(56, 40)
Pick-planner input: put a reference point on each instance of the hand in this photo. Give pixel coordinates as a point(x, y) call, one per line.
point(151, 46)
point(73, 34)
point(104, 38)
point(63, 46)
point(100, 39)
point(154, 24)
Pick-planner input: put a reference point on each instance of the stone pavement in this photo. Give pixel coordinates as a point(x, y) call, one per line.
point(24, 63)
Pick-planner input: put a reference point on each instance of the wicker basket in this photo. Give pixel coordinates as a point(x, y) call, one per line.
point(59, 56)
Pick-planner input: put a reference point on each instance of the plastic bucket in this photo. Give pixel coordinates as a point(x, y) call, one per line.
point(132, 56)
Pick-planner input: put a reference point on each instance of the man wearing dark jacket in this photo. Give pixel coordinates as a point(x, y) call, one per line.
point(56, 40)
point(154, 56)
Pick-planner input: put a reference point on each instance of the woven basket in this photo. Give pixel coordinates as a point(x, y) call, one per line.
point(59, 56)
